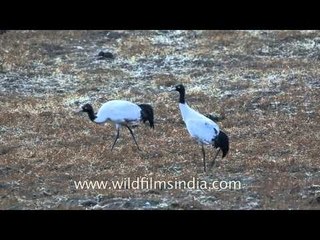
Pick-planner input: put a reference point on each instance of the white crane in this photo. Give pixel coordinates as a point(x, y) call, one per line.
point(122, 113)
point(203, 129)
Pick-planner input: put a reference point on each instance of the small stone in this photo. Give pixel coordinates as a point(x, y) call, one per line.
point(105, 55)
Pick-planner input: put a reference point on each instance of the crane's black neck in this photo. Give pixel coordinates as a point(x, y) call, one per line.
point(182, 96)
point(91, 115)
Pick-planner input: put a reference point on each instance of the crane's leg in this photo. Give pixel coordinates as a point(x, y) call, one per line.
point(204, 158)
point(134, 139)
point(214, 160)
point(117, 136)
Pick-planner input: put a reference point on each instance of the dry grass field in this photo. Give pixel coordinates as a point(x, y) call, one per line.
point(265, 85)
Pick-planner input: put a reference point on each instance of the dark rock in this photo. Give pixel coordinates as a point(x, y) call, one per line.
point(105, 55)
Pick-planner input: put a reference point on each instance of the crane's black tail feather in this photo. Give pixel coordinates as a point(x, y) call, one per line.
point(222, 142)
point(147, 114)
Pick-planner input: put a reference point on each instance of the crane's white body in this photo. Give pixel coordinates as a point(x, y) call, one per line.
point(119, 112)
point(201, 128)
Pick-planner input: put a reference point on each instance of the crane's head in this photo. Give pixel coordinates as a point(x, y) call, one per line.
point(87, 108)
point(179, 88)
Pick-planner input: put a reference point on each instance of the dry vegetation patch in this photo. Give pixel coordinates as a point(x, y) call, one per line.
point(265, 84)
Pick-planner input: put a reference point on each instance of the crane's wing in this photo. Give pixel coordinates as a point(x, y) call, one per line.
point(202, 130)
point(118, 111)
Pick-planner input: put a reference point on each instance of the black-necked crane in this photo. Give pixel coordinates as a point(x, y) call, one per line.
point(201, 128)
point(122, 113)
